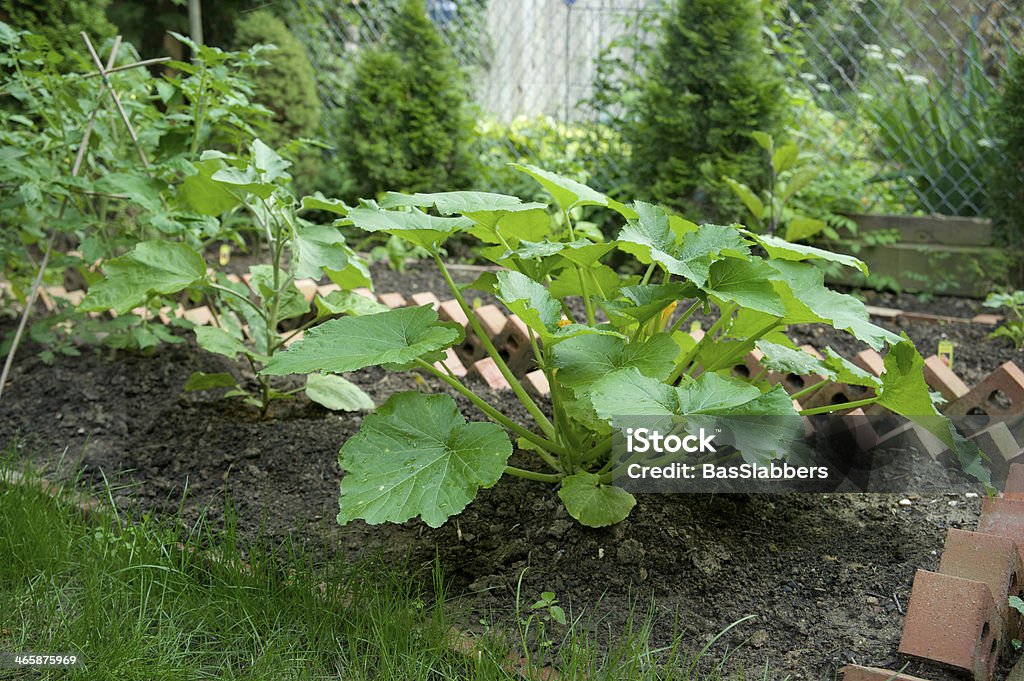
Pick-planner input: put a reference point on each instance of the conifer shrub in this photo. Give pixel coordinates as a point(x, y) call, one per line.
point(287, 83)
point(708, 84)
point(405, 122)
point(1008, 128)
point(60, 21)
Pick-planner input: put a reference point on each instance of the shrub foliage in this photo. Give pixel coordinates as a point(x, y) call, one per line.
point(709, 84)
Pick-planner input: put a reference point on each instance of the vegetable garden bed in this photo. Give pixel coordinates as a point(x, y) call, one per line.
point(827, 576)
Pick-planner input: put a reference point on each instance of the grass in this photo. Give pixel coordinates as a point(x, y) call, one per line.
point(145, 600)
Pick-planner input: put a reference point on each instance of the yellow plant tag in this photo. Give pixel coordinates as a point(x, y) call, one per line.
point(945, 352)
point(225, 254)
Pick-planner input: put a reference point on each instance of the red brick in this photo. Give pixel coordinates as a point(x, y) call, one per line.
point(393, 300)
point(870, 361)
point(987, 319)
point(233, 278)
point(292, 339)
point(953, 621)
point(883, 312)
point(492, 319)
point(1004, 384)
point(912, 435)
point(327, 289)
point(986, 558)
point(200, 316)
point(514, 341)
point(942, 379)
point(854, 672)
point(488, 370)
point(932, 318)
point(425, 298)
point(860, 426)
point(999, 444)
point(307, 287)
point(1015, 482)
point(536, 382)
point(1003, 517)
point(365, 293)
point(451, 311)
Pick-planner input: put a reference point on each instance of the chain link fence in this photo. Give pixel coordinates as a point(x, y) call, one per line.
point(908, 83)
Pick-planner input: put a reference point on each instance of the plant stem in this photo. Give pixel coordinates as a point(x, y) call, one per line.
point(686, 315)
point(497, 416)
point(810, 389)
point(743, 347)
point(648, 273)
point(225, 289)
point(839, 407)
point(530, 475)
point(691, 356)
point(517, 387)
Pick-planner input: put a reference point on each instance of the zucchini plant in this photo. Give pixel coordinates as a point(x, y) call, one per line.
point(247, 316)
point(607, 344)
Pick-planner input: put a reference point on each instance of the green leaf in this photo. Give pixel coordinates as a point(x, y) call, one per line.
point(268, 162)
point(351, 343)
point(414, 226)
point(320, 202)
point(347, 302)
point(764, 140)
point(219, 341)
point(315, 248)
point(416, 455)
point(788, 361)
point(528, 299)
point(651, 299)
point(748, 197)
point(627, 392)
point(204, 195)
point(139, 188)
point(807, 300)
point(784, 158)
point(847, 372)
point(151, 268)
point(594, 504)
point(247, 180)
point(567, 193)
point(453, 203)
point(337, 393)
point(746, 283)
point(583, 360)
point(291, 302)
point(802, 227)
point(783, 250)
point(903, 388)
point(203, 381)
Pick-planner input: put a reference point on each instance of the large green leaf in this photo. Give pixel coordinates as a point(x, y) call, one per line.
point(627, 392)
point(414, 226)
point(453, 203)
point(315, 248)
point(337, 393)
point(594, 504)
point(351, 343)
point(151, 268)
point(320, 202)
point(347, 302)
point(746, 283)
point(417, 456)
point(568, 193)
point(784, 250)
point(650, 299)
point(583, 360)
point(788, 361)
point(204, 195)
point(903, 388)
point(807, 300)
point(528, 299)
point(268, 162)
point(847, 372)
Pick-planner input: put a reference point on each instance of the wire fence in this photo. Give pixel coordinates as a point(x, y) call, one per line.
point(910, 82)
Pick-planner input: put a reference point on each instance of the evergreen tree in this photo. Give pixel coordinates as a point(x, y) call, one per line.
point(287, 85)
point(60, 22)
point(708, 84)
point(1008, 127)
point(405, 124)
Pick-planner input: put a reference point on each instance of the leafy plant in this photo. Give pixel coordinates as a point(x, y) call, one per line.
point(707, 85)
point(405, 116)
point(615, 354)
point(788, 174)
point(247, 315)
point(1013, 327)
point(938, 135)
point(1008, 130)
point(59, 23)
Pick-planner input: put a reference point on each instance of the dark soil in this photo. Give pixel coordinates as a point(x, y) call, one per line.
point(827, 577)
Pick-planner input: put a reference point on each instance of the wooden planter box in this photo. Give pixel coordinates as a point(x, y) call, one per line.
point(933, 254)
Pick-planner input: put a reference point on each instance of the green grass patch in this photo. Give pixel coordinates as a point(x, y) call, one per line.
point(147, 600)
